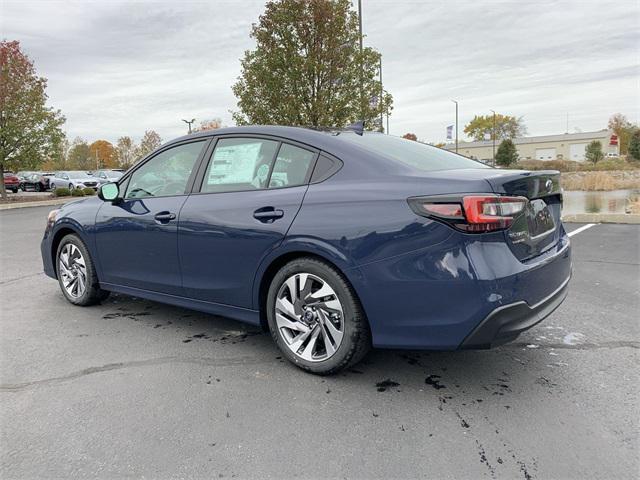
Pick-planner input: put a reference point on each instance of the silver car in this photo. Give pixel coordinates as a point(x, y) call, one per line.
point(73, 179)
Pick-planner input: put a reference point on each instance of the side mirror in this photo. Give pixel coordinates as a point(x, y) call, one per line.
point(108, 192)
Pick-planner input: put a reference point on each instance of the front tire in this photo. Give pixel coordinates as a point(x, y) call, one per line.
point(76, 273)
point(315, 317)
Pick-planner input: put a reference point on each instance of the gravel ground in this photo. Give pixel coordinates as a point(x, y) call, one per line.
point(133, 388)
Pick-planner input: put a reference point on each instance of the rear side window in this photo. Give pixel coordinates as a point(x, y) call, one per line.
point(292, 167)
point(408, 152)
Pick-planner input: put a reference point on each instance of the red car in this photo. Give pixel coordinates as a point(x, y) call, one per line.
point(11, 182)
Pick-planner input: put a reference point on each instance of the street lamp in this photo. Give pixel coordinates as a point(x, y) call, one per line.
point(381, 96)
point(362, 107)
point(189, 123)
point(456, 124)
point(494, 136)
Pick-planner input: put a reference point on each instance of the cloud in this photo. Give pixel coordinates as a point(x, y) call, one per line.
point(119, 68)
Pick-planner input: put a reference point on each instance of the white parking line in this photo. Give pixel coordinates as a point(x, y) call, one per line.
point(581, 229)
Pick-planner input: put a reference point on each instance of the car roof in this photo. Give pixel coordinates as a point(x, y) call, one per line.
point(330, 142)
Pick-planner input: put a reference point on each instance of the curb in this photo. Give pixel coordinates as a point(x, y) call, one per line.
point(41, 203)
point(630, 219)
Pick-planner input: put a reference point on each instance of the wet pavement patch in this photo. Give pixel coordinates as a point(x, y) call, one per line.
point(131, 315)
point(385, 384)
point(434, 381)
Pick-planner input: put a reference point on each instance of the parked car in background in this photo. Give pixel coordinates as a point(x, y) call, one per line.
point(34, 181)
point(106, 176)
point(23, 174)
point(11, 182)
point(74, 179)
point(334, 241)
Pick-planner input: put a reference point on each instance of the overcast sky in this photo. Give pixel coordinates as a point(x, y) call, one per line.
point(119, 68)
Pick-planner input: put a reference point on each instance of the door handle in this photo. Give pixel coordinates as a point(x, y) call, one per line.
point(164, 217)
point(268, 214)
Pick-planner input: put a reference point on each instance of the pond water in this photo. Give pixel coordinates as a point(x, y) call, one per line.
point(614, 201)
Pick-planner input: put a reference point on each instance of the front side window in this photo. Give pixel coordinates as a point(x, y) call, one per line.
point(166, 174)
point(291, 167)
point(239, 164)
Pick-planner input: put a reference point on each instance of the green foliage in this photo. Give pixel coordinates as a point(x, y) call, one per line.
point(507, 153)
point(28, 128)
point(61, 192)
point(79, 157)
point(593, 153)
point(634, 145)
point(307, 68)
point(506, 126)
point(77, 192)
point(88, 191)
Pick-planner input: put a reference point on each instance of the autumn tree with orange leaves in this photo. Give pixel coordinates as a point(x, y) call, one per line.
point(103, 154)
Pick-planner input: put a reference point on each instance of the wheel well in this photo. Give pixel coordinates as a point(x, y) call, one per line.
point(56, 241)
point(271, 271)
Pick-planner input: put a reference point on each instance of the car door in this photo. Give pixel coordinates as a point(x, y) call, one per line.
point(136, 236)
point(250, 190)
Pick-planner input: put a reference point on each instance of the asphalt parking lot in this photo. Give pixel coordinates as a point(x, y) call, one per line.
point(133, 388)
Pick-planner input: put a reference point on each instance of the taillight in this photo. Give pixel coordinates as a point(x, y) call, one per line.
point(471, 213)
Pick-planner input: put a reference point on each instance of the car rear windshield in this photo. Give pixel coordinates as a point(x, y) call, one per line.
point(412, 153)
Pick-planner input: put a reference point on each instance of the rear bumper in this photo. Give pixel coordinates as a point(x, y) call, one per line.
point(505, 323)
point(467, 292)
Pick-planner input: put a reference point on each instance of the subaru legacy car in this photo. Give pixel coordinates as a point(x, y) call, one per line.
point(333, 241)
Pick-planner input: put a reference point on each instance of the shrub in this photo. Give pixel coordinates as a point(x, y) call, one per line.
point(62, 192)
point(634, 145)
point(89, 191)
point(507, 154)
point(593, 152)
point(77, 192)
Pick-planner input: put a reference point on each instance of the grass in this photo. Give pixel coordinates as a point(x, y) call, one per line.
point(571, 166)
point(599, 181)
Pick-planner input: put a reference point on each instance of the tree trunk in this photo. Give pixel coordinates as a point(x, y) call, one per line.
point(3, 191)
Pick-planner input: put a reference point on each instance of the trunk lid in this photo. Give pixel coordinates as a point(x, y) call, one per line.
point(538, 228)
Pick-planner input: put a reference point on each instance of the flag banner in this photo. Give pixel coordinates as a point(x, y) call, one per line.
point(450, 132)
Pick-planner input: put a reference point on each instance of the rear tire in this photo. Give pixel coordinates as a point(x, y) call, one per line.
point(333, 301)
point(76, 273)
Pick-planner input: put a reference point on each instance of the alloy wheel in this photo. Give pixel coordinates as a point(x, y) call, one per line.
point(73, 270)
point(309, 317)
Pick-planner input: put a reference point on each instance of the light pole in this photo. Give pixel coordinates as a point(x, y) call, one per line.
point(494, 136)
point(381, 95)
point(361, 60)
point(456, 124)
point(189, 123)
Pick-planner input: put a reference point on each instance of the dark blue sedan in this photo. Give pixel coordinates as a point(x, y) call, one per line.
point(334, 241)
